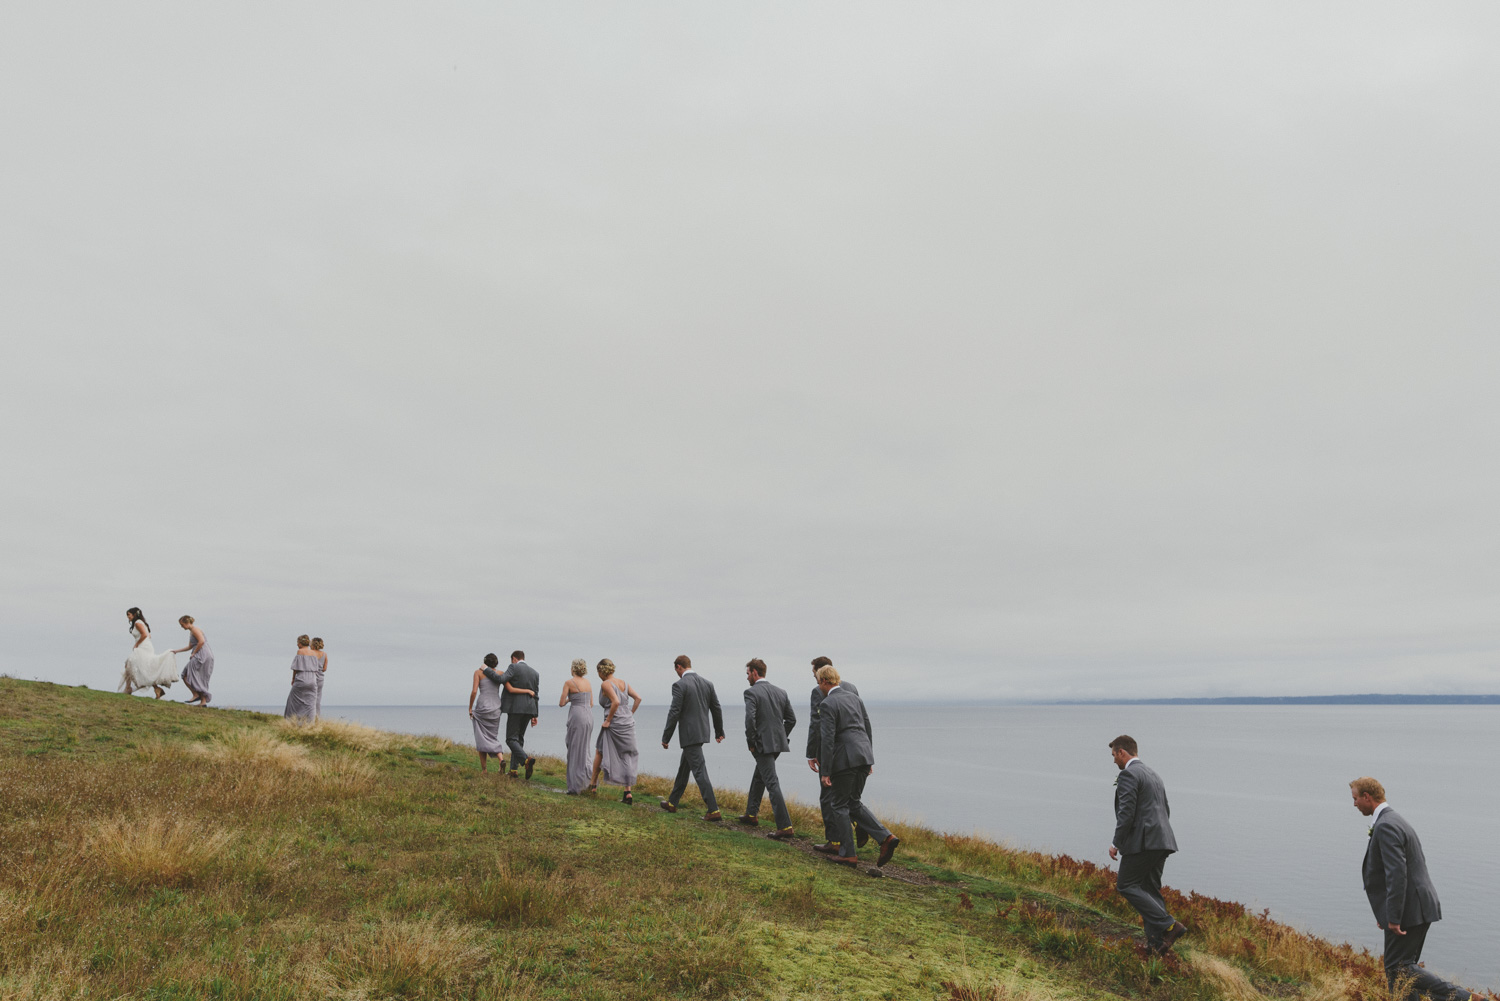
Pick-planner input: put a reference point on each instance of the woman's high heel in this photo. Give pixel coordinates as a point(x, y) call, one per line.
point(627, 799)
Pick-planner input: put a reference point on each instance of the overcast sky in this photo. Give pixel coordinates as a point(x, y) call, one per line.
point(1050, 351)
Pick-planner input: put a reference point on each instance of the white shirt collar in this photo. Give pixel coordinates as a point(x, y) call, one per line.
point(687, 670)
point(1131, 762)
point(1378, 810)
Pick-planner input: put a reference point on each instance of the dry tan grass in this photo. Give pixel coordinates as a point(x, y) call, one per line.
point(404, 957)
point(154, 850)
point(257, 748)
point(1232, 983)
point(338, 734)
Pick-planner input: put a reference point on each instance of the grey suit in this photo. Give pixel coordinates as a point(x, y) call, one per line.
point(694, 705)
point(814, 738)
point(846, 756)
point(519, 709)
point(768, 723)
point(1143, 835)
point(1401, 893)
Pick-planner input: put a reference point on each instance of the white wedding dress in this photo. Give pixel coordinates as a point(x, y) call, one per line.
point(145, 667)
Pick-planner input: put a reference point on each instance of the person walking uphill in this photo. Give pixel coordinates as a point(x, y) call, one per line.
point(1401, 894)
point(848, 758)
point(694, 702)
point(1143, 840)
point(814, 737)
point(518, 701)
point(769, 721)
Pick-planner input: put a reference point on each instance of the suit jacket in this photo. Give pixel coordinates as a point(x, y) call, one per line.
point(814, 727)
point(1142, 815)
point(694, 701)
point(847, 740)
point(768, 718)
point(1395, 872)
point(522, 675)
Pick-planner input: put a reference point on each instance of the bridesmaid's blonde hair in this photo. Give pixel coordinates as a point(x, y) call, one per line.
point(317, 643)
point(606, 668)
point(302, 640)
point(186, 620)
point(580, 667)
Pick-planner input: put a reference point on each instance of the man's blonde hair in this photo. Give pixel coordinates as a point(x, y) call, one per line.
point(828, 673)
point(1367, 786)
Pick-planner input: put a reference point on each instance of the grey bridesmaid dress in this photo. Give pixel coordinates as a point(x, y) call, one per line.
point(198, 670)
point(580, 728)
point(302, 700)
point(487, 718)
point(620, 761)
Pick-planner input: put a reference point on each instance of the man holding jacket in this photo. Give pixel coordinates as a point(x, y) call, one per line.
point(1143, 840)
point(1401, 893)
point(768, 723)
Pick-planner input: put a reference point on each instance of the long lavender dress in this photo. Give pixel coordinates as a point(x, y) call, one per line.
point(487, 717)
point(318, 698)
point(580, 728)
point(198, 670)
point(302, 700)
point(620, 761)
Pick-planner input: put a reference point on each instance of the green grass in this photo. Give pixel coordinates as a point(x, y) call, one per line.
point(153, 850)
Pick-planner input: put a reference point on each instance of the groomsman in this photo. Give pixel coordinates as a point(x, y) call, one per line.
point(845, 761)
point(1401, 893)
point(520, 708)
point(814, 737)
point(1143, 840)
point(694, 701)
point(768, 723)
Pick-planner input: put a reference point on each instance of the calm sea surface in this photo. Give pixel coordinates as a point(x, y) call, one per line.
point(1259, 794)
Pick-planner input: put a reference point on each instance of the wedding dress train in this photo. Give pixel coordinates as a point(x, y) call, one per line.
point(145, 668)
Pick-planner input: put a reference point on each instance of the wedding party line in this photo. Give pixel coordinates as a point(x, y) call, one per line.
point(840, 750)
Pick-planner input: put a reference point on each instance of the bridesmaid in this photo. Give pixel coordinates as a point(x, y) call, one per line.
point(301, 702)
point(578, 696)
point(615, 753)
point(317, 646)
point(200, 666)
point(484, 710)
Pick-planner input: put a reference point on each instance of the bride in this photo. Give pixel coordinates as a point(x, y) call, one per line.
point(145, 666)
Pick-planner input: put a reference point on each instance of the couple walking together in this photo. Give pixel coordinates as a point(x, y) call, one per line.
point(843, 754)
point(513, 694)
point(145, 668)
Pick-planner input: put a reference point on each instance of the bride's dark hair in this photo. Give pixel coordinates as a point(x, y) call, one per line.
point(136, 616)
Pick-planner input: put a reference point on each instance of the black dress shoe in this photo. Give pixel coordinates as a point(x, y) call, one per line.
point(887, 849)
point(827, 848)
point(530, 764)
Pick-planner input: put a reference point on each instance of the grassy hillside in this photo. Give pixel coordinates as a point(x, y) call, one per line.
point(160, 851)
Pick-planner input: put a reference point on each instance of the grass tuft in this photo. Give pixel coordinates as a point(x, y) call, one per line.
point(154, 851)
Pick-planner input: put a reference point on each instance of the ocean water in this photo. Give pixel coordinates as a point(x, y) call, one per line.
point(1259, 794)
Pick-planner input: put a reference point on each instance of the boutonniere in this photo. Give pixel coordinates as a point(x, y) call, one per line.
point(1370, 831)
point(1116, 782)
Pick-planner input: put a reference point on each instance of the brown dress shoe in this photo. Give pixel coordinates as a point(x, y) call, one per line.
point(1171, 936)
point(530, 764)
point(845, 860)
point(827, 848)
point(887, 849)
point(713, 817)
point(669, 807)
point(784, 834)
point(748, 819)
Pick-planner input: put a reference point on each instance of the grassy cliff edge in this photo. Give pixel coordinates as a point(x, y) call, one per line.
point(161, 851)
